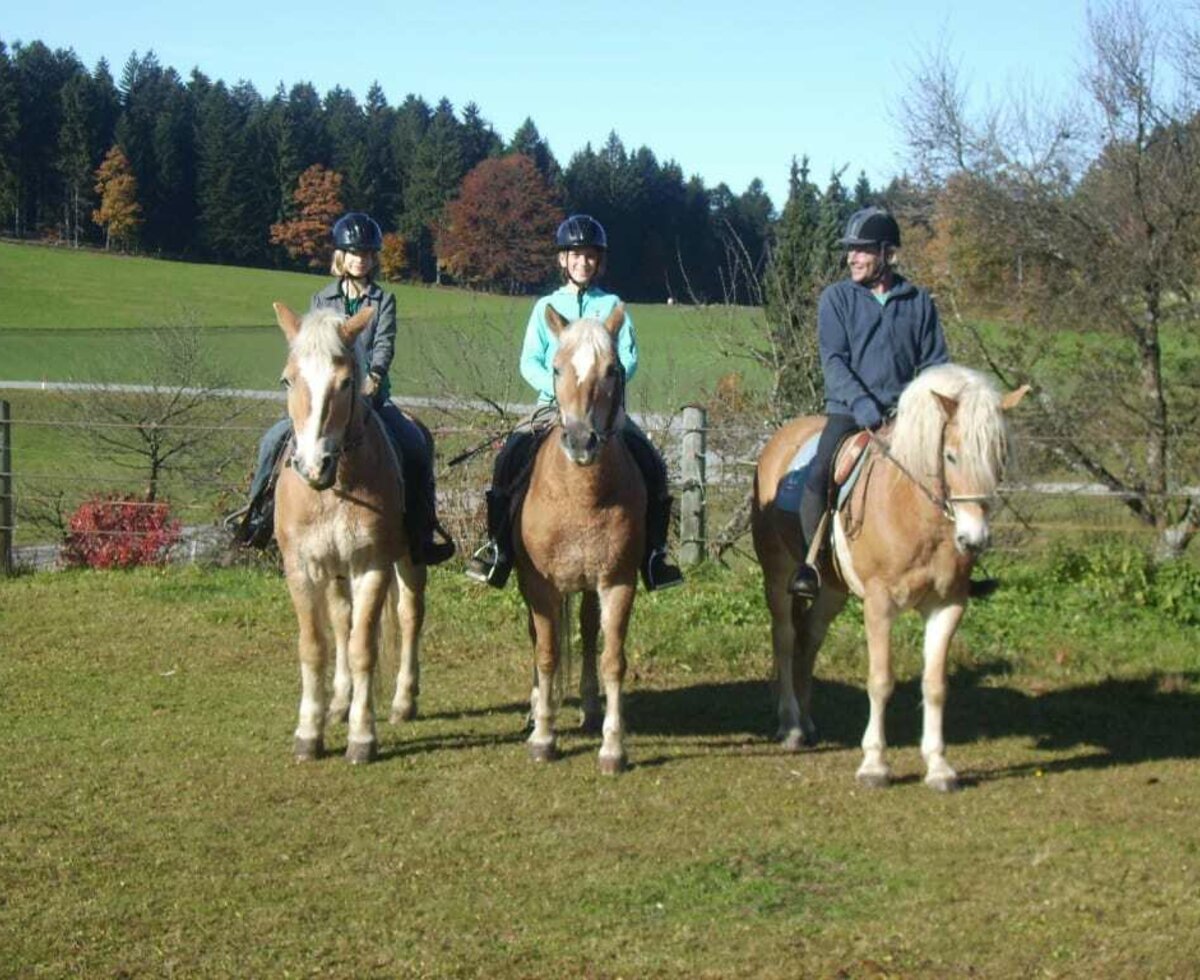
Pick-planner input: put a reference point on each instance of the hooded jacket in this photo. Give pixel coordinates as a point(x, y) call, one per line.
point(376, 345)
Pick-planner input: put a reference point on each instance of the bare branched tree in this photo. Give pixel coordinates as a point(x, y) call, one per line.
point(1084, 221)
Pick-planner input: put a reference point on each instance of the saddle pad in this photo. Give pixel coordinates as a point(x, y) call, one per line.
point(791, 487)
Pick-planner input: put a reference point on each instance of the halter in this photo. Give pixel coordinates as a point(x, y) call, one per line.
point(944, 501)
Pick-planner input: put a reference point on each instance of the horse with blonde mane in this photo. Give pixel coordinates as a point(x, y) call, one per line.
point(339, 508)
point(907, 538)
point(581, 528)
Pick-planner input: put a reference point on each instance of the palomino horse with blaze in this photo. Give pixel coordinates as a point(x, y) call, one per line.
point(907, 539)
point(339, 509)
point(581, 528)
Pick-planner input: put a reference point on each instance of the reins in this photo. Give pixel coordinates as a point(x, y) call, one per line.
point(943, 501)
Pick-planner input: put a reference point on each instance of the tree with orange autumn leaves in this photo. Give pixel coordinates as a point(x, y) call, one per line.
point(499, 231)
point(119, 213)
point(318, 198)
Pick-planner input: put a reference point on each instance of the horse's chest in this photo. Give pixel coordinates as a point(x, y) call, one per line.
point(577, 553)
point(334, 541)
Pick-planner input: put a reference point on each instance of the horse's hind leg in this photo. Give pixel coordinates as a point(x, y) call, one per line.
point(940, 626)
point(339, 620)
point(811, 623)
point(783, 646)
point(616, 607)
point(410, 608)
point(880, 613)
point(589, 683)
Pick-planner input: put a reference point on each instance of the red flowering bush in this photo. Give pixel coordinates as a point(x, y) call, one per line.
point(119, 532)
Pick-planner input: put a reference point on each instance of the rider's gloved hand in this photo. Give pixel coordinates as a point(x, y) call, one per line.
point(866, 412)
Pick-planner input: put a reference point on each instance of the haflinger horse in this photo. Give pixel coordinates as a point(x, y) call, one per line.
point(581, 528)
point(339, 508)
point(914, 523)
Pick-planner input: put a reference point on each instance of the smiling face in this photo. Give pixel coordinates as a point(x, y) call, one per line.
point(581, 265)
point(359, 263)
point(868, 264)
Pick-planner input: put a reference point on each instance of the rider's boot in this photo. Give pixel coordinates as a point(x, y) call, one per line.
point(492, 563)
point(657, 572)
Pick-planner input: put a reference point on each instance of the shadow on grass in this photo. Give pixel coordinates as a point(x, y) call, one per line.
point(1111, 722)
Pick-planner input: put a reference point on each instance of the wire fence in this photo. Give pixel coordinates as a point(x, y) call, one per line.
point(66, 450)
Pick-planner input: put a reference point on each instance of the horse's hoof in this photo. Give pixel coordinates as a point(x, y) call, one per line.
point(543, 751)
point(943, 784)
point(308, 749)
point(874, 780)
point(405, 713)
point(592, 724)
point(612, 765)
point(360, 753)
point(793, 742)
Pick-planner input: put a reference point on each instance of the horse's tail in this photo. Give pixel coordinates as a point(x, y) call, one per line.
point(387, 664)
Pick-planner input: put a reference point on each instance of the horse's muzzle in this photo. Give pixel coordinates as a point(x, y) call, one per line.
point(581, 443)
point(325, 475)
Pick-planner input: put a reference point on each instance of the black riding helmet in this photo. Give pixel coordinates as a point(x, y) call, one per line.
point(580, 231)
point(357, 232)
point(871, 226)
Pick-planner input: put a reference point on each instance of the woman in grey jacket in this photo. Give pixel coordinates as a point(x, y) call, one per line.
point(357, 240)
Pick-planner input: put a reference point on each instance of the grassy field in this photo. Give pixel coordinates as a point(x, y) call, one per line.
point(64, 315)
point(151, 821)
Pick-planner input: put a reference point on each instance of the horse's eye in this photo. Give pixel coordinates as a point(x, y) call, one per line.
point(285, 381)
point(951, 458)
point(611, 372)
point(345, 383)
point(557, 372)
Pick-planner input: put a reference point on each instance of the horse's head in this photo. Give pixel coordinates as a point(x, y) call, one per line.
point(323, 380)
point(588, 382)
point(952, 437)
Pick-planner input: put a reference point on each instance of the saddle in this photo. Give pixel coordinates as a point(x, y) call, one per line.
point(847, 465)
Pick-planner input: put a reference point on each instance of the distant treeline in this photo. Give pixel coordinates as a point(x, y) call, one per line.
point(216, 166)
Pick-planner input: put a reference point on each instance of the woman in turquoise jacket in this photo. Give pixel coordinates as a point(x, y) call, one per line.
point(582, 246)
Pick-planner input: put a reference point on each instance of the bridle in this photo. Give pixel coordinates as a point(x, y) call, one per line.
point(943, 500)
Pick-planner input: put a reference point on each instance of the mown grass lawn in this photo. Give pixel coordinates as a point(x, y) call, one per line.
point(151, 820)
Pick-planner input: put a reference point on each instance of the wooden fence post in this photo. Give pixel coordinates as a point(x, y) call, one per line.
point(6, 491)
point(691, 498)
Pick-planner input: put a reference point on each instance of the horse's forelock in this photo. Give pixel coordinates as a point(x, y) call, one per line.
point(319, 337)
point(916, 439)
point(587, 335)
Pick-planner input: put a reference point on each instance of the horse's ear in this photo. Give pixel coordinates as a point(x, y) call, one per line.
point(351, 328)
point(616, 319)
point(949, 405)
point(555, 320)
point(288, 322)
point(1013, 398)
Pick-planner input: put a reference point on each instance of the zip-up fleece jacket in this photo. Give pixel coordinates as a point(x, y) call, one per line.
point(873, 349)
point(375, 346)
point(540, 346)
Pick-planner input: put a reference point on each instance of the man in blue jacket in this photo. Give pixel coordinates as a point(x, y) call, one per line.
point(877, 331)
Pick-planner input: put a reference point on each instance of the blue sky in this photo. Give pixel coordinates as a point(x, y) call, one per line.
point(731, 91)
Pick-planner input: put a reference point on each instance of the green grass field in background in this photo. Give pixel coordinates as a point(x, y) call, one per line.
point(65, 314)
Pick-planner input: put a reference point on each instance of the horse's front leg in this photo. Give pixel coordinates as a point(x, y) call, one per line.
point(410, 609)
point(940, 626)
point(368, 592)
point(545, 610)
point(589, 684)
point(879, 612)
point(309, 602)
point(616, 607)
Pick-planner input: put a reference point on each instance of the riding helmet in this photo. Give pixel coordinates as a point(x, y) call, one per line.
point(579, 231)
point(356, 231)
point(871, 226)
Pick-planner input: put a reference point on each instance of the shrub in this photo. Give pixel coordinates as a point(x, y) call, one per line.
point(119, 532)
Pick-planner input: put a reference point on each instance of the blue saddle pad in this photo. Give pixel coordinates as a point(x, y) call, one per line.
point(791, 487)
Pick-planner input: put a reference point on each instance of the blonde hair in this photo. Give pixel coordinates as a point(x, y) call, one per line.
point(337, 267)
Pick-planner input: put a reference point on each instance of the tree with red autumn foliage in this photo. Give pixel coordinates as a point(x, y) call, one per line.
point(499, 232)
point(318, 198)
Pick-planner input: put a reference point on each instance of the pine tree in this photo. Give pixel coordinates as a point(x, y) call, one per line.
point(528, 142)
point(9, 131)
point(119, 213)
point(435, 174)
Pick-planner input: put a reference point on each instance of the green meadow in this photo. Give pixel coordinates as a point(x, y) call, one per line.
point(69, 315)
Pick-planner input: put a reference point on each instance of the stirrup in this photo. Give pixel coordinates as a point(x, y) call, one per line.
point(488, 566)
point(657, 574)
point(805, 582)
